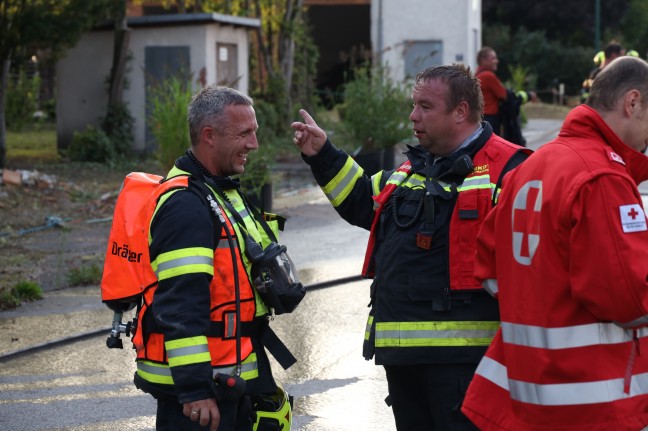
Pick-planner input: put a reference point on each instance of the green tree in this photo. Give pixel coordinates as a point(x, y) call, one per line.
point(50, 25)
point(635, 27)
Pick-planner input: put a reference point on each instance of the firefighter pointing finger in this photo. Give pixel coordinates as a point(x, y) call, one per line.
point(430, 320)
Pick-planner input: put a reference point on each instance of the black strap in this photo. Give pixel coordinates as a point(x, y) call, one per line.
point(259, 328)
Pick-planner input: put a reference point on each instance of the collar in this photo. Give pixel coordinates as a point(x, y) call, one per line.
point(586, 120)
point(198, 171)
point(419, 157)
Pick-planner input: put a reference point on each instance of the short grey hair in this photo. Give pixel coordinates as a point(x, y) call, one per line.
point(615, 80)
point(207, 107)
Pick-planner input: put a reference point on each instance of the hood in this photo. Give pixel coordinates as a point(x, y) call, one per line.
point(585, 121)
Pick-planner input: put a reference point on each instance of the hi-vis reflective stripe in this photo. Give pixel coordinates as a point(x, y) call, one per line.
point(161, 373)
point(435, 334)
point(592, 334)
point(562, 394)
point(368, 328)
point(249, 368)
point(490, 285)
point(192, 350)
point(184, 261)
point(341, 185)
point(154, 373)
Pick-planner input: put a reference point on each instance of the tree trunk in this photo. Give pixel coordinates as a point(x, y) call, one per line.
point(4, 79)
point(120, 57)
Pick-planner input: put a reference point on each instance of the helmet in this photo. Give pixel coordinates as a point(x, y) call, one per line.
point(273, 413)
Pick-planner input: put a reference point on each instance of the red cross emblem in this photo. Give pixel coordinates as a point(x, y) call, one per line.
point(526, 221)
point(633, 213)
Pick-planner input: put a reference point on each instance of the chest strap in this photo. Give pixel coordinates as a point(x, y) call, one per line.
point(368, 268)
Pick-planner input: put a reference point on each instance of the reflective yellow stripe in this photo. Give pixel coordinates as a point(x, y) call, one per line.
point(154, 373)
point(184, 351)
point(249, 368)
point(184, 261)
point(339, 188)
point(435, 334)
point(368, 328)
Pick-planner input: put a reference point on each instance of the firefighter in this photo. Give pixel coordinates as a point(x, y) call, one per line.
point(566, 253)
point(206, 319)
point(430, 320)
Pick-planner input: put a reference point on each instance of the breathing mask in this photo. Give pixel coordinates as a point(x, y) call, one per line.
point(275, 277)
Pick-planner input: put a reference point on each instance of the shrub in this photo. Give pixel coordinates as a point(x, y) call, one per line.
point(118, 125)
point(22, 291)
point(28, 291)
point(8, 301)
point(22, 100)
point(85, 275)
point(91, 145)
point(168, 118)
point(374, 112)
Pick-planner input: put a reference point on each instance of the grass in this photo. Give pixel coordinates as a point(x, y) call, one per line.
point(36, 145)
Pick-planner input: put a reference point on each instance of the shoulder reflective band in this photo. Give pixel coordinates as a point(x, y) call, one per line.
point(567, 337)
point(184, 261)
point(341, 185)
point(435, 334)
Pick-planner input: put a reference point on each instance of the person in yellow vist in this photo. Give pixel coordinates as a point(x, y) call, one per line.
point(430, 320)
point(202, 331)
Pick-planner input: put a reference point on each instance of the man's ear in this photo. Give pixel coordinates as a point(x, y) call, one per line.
point(461, 112)
point(632, 102)
point(208, 136)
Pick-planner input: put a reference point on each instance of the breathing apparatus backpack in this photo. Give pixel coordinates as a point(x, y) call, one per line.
point(127, 272)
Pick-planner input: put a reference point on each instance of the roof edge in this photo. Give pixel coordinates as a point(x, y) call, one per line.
point(187, 19)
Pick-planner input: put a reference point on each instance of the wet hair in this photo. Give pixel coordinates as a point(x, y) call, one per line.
point(208, 106)
point(615, 80)
point(483, 53)
point(462, 86)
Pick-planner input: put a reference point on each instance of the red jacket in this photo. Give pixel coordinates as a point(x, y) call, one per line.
point(493, 90)
point(571, 263)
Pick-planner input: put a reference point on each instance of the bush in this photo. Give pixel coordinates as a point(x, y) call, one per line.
point(22, 100)
point(85, 275)
point(91, 145)
point(28, 291)
point(22, 291)
point(374, 112)
point(118, 125)
point(168, 119)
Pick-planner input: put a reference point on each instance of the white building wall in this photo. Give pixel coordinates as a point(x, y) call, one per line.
point(454, 23)
point(81, 75)
point(135, 95)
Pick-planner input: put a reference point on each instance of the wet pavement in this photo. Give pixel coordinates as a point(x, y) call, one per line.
point(46, 384)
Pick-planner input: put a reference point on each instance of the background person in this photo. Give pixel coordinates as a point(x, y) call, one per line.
point(188, 330)
point(611, 52)
point(501, 105)
point(566, 253)
point(430, 321)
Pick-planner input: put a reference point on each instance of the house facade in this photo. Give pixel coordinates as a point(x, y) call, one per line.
point(404, 35)
point(208, 48)
point(409, 35)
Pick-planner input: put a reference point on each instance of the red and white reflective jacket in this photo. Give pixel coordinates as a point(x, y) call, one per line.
point(566, 253)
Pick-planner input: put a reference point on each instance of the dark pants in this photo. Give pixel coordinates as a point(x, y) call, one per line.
point(429, 397)
point(496, 123)
point(233, 418)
